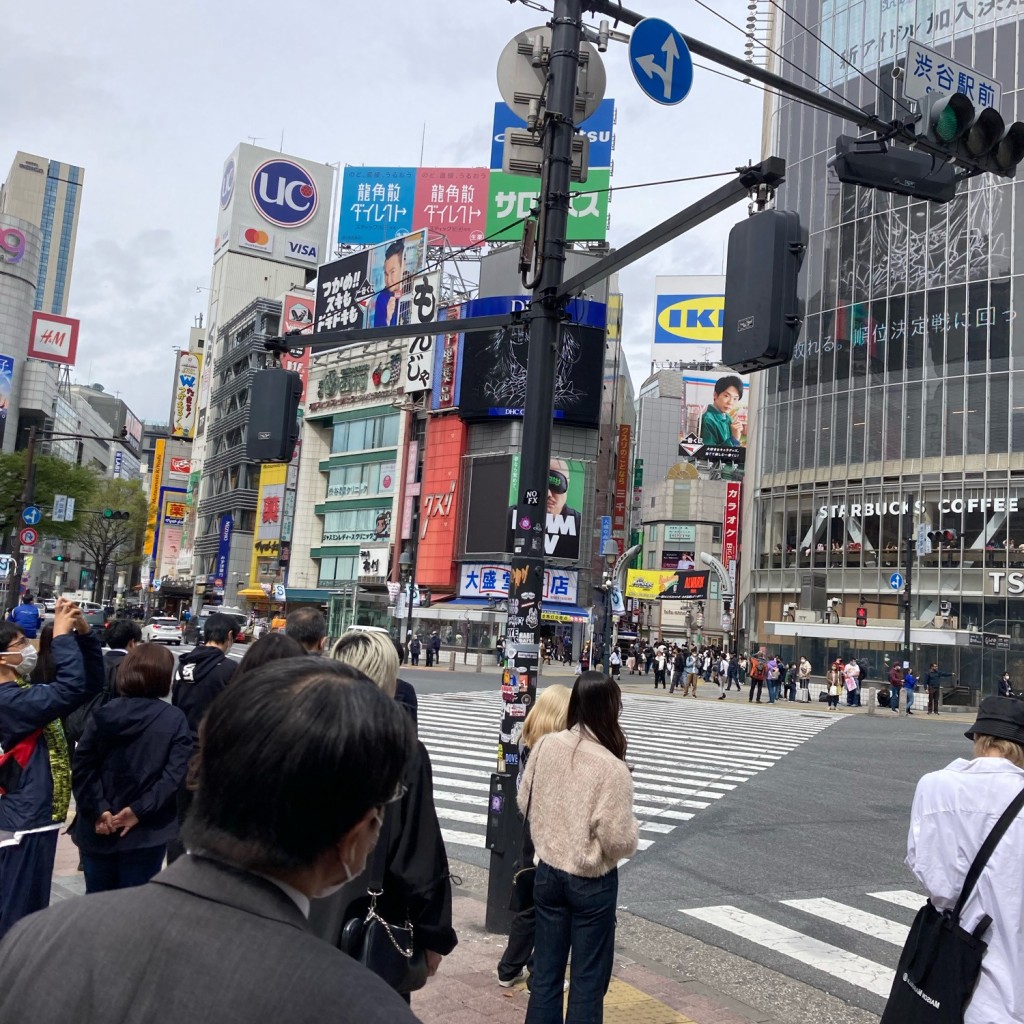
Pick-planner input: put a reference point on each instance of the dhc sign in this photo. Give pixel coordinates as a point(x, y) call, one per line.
point(284, 193)
point(689, 319)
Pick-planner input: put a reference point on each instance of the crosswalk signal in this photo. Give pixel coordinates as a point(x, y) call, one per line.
point(862, 616)
point(980, 141)
point(273, 428)
point(763, 310)
point(113, 513)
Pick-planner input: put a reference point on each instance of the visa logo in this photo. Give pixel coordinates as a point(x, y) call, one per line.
point(690, 318)
point(303, 251)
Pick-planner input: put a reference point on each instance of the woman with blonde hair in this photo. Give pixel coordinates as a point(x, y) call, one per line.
point(410, 858)
point(549, 714)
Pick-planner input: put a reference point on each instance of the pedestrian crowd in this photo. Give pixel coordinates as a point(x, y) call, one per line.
point(293, 804)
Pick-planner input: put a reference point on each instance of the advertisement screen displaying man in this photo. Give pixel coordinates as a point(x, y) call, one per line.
point(720, 426)
point(563, 521)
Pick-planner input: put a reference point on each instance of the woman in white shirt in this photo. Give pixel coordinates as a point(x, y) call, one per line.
point(954, 810)
point(578, 794)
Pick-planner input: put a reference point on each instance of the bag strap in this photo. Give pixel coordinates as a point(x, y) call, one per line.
point(378, 865)
point(529, 803)
point(987, 847)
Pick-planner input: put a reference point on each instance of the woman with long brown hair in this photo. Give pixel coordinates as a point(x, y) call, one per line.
point(577, 794)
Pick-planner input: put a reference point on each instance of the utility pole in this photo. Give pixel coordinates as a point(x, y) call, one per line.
point(545, 317)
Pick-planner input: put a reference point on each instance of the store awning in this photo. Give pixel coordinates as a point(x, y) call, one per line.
point(254, 594)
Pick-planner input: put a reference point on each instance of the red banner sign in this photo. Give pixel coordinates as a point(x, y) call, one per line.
point(731, 530)
point(621, 480)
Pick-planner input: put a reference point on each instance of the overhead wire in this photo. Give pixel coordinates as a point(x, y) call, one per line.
point(774, 53)
point(817, 38)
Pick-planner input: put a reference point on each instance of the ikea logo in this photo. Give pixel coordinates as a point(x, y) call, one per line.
point(694, 319)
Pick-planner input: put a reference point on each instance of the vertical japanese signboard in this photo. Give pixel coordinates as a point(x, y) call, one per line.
point(186, 388)
point(621, 480)
point(731, 530)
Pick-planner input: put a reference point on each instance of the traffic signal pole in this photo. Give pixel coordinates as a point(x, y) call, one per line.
point(547, 311)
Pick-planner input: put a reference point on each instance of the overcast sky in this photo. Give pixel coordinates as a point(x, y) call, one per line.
point(150, 101)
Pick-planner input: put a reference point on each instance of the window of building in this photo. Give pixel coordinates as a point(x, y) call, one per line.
point(360, 481)
point(357, 525)
point(359, 435)
point(342, 569)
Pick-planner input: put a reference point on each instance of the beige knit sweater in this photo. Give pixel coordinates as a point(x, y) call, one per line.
point(581, 814)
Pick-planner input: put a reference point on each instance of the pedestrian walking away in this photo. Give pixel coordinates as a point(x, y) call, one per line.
point(757, 675)
point(579, 794)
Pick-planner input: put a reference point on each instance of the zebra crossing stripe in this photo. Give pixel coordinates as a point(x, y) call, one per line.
point(850, 917)
point(901, 897)
point(463, 838)
point(822, 956)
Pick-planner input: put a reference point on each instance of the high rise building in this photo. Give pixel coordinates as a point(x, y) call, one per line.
point(47, 193)
point(901, 414)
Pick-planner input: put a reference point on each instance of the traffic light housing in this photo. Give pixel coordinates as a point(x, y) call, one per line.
point(763, 311)
point(906, 172)
point(113, 513)
point(862, 616)
point(60, 558)
point(979, 140)
point(273, 428)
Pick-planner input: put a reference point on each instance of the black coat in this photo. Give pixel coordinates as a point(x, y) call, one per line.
point(134, 753)
point(411, 861)
point(201, 674)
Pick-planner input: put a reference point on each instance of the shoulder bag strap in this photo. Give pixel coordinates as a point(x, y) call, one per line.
point(379, 858)
point(991, 841)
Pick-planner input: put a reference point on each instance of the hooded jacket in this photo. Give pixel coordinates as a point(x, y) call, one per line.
point(201, 674)
point(134, 753)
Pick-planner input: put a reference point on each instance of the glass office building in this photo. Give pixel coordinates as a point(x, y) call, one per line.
point(904, 404)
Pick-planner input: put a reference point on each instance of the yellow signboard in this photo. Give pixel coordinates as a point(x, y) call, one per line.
point(154, 497)
point(648, 584)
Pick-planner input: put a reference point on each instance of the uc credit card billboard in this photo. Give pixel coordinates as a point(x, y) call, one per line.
point(688, 316)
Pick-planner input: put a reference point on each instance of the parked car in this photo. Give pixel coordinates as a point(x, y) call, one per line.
point(50, 605)
point(193, 632)
point(161, 630)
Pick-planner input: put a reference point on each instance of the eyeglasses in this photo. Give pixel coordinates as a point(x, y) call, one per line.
point(558, 482)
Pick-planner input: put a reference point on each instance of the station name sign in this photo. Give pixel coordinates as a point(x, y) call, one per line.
point(946, 506)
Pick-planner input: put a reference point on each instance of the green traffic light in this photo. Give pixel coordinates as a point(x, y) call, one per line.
point(108, 513)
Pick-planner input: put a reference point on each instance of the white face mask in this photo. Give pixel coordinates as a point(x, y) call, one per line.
point(29, 658)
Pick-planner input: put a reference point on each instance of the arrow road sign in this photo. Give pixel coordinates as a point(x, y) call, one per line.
point(28, 536)
point(31, 514)
point(896, 581)
point(660, 61)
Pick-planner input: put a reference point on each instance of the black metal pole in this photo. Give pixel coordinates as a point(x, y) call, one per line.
point(530, 509)
point(906, 596)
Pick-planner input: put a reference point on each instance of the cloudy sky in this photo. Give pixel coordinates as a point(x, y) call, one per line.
point(150, 101)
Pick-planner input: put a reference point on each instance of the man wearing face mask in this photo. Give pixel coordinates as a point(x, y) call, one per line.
point(221, 934)
point(35, 774)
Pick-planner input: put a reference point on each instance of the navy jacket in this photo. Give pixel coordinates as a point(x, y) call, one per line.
point(78, 661)
point(134, 753)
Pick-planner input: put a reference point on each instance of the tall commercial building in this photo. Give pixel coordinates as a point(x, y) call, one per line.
point(902, 412)
point(47, 193)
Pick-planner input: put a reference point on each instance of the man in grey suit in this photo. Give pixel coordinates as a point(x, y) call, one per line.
point(297, 763)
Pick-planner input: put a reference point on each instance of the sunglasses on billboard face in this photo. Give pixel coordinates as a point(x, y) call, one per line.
point(558, 483)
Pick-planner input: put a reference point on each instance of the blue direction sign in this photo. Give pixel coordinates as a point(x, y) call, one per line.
point(31, 515)
point(896, 581)
point(660, 60)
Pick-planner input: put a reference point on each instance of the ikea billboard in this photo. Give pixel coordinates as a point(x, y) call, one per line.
point(688, 316)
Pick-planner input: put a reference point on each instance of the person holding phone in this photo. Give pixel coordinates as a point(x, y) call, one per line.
point(35, 770)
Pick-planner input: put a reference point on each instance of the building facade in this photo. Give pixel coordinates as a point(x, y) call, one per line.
point(902, 411)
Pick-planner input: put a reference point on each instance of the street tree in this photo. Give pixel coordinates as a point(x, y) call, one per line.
point(52, 476)
point(110, 541)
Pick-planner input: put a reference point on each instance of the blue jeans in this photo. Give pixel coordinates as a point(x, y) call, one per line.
point(909, 698)
point(578, 914)
point(773, 688)
point(121, 870)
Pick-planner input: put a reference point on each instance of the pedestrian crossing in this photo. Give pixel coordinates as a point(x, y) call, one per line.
point(686, 756)
point(861, 948)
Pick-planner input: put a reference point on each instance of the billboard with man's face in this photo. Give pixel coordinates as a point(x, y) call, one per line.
point(563, 506)
point(713, 419)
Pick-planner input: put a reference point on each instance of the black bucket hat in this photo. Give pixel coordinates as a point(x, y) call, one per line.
point(1002, 717)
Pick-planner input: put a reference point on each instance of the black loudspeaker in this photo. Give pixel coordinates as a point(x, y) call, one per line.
point(273, 416)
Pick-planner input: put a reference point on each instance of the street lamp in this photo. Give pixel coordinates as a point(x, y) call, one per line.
point(405, 570)
point(610, 553)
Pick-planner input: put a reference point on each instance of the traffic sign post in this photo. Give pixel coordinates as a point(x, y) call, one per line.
point(31, 515)
point(660, 61)
point(28, 536)
point(896, 581)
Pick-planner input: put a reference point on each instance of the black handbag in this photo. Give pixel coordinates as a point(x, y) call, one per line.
point(384, 948)
point(521, 897)
point(941, 961)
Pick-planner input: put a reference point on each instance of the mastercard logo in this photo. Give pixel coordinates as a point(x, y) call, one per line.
point(256, 237)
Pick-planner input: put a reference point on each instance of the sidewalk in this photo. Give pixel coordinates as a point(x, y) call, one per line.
point(466, 990)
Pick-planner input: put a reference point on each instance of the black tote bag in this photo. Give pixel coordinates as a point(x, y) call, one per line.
point(941, 961)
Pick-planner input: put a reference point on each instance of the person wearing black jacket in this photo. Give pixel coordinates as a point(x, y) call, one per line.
point(933, 684)
point(200, 676)
point(410, 858)
point(128, 767)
